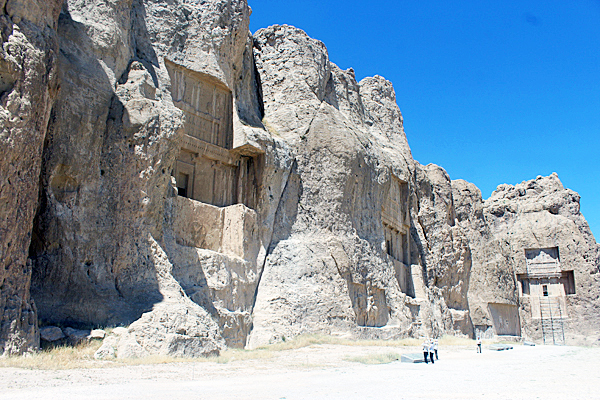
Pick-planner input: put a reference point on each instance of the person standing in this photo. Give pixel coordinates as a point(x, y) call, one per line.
point(479, 344)
point(431, 350)
point(435, 348)
point(426, 350)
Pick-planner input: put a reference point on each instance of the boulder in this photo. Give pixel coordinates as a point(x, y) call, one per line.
point(76, 336)
point(119, 331)
point(107, 350)
point(97, 334)
point(51, 333)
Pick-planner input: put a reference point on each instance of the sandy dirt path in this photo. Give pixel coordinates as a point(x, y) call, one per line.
point(325, 372)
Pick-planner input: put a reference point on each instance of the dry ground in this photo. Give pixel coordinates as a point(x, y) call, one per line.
point(327, 371)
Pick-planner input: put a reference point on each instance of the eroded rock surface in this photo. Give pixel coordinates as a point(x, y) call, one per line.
point(210, 188)
point(113, 243)
point(327, 270)
point(540, 214)
point(28, 88)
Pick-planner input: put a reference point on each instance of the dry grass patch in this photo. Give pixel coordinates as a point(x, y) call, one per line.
point(381, 358)
point(299, 342)
point(456, 341)
point(82, 355)
point(232, 355)
point(60, 357)
point(315, 339)
point(270, 351)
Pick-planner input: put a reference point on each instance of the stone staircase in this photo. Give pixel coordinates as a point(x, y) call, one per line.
point(552, 321)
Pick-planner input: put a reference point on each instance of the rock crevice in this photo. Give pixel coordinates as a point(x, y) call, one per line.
point(209, 188)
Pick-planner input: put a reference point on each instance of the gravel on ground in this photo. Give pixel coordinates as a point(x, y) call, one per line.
point(330, 372)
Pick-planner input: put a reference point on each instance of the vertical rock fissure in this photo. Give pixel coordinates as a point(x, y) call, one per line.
point(268, 246)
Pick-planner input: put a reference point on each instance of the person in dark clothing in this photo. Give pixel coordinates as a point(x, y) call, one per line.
point(431, 350)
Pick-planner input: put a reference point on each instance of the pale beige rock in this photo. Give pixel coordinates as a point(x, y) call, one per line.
point(446, 254)
point(541, 213)
point(119, 331)
point(105, 352)
point(107, 186)
point(27, 90)
point(296, 208)
point(491, 279)
point(326, 270)
point(97, 334)
point(231, 230)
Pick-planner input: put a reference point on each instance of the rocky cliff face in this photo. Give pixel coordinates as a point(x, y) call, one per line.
point(492, 278)
point(209, 188)
point(28, 87)
point(542, 214)
point(326, 269)
point(108, 246)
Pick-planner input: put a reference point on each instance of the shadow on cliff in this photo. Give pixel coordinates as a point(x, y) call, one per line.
point(144, 52)
point(92, 258)
point(187, 271)
point(287, 209)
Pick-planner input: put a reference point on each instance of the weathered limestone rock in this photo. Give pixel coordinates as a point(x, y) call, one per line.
point(492, 278)
point(51, 333)
point(97, 334)
point(76, 336)
point(105, 352)
point(119, 331)
point(100, 183)
point(113, 243)
point(73, 336)
point(27, 91)
point(445, 252)
point(326, 269)
point(541, 215)
point(209, 188)
point(180, 329)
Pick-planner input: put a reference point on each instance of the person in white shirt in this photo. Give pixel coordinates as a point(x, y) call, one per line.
point(431, 350)
point(435, 348)
point(479, 344)
point(426, 350)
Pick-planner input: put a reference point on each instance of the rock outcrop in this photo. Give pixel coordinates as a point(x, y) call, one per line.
point(326, 269)
point(491, 279)
point(540, 214)
point(209, 188)
point(107, 246)
point(28, 87)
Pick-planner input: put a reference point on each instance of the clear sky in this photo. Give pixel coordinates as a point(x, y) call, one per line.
point(493, 91)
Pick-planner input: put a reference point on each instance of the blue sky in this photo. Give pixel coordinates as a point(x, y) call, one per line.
point(493, 91)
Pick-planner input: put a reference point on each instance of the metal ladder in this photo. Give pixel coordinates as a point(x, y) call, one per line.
point(552, 321)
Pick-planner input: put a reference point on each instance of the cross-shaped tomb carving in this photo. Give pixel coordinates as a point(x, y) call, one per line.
point(207, 168)
point(394, 216)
